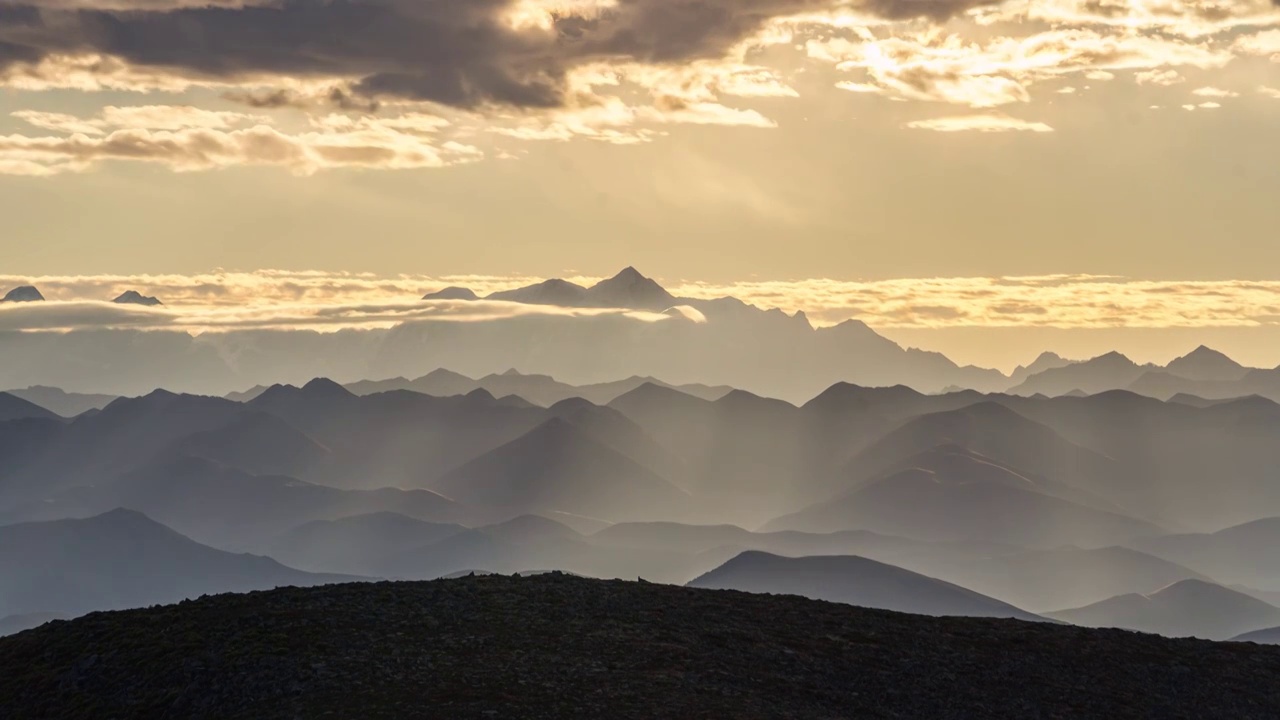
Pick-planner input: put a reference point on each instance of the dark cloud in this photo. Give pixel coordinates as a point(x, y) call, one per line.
point(458, 52)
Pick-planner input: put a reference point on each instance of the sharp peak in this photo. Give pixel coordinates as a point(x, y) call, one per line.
point(1204, 351)
point(1113, 354)
point(630, 272)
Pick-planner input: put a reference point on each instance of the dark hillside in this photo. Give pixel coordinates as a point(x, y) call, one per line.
point(555, 646)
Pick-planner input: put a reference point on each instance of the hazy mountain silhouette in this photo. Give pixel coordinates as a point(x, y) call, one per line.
point(530, 543)
point(232, 509)
point(1166, 385)
point(357, 543)
point(1244, 554)
point(992, 434)
point(1207, 364)
point(558, 466)
point(855, 581)
point(538, 389)
point(1045, 361)
point(627, 289)
point(723, 342)
point(452, 293)
point(24, 293)
point(1269, 636)
point(950, 495)
point(258, 443)
point(122, 559)
point(702, 538)
point(63, 403)
point(13, 407)
point(1187, 608)
point(1043, 580)
point(1166, 451)
point(133, 297)
point(1111, 371)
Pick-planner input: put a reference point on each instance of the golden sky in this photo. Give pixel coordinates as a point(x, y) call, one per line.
point(1105, 171)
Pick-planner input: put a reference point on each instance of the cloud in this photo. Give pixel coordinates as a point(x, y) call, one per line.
point(946, 67)
point(462, 53)
point(979, 123)
point(188, 139)
point(84, 315)
point(1263, 43)
point(1213, 92)
point(614, 71)
point(1158, 77)
point(332, 301)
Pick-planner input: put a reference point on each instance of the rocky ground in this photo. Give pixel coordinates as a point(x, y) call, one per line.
point(555, 646)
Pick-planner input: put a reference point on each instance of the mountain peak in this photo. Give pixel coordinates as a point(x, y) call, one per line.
point(630, 289)
point(133, 297)
point(23, 293)
point(325, 386)
point(1205, 363)
point(453, 292)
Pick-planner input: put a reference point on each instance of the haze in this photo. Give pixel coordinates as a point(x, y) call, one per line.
point(655, 308)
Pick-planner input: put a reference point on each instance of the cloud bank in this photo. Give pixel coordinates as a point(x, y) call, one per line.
point(616, 71)
point(334, 301)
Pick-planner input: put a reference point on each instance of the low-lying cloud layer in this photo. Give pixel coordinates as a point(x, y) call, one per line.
point(618, 71)
point(332, 301)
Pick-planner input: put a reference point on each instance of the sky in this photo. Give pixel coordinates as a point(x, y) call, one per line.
point(985, 179)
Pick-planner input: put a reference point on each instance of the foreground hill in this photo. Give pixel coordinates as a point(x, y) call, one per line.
point(856, 581)
point(554, 646)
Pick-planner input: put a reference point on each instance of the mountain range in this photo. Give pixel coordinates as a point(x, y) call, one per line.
point(1107, 508)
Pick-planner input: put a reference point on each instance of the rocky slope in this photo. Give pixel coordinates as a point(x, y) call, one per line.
point(555, 646)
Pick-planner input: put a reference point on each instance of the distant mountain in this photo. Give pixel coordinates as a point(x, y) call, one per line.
point(234, 510)
point(258, 443)
point(17, 623)
point(1044, 580)
point(133, 297)
point(1207, 365)
point(122, 559)
point(949, 495)
point(1111, 371)
point(1187, 608)
point(541, 390)
point(1045, 361)
point(703, 538)
point(13, 407)
point(549, 292)
point(1167, 385)
point(355, 544)
point(630, 289)
point(717, 342)
point(530, 543)
point(1269, 636)
point(24, 293)
point(1163, 455)
point(991, 432)
point(452, 293)
point(1245, 554)
point(855, 581)
point(627, 289)
point(558, 466)
point(61, 402)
